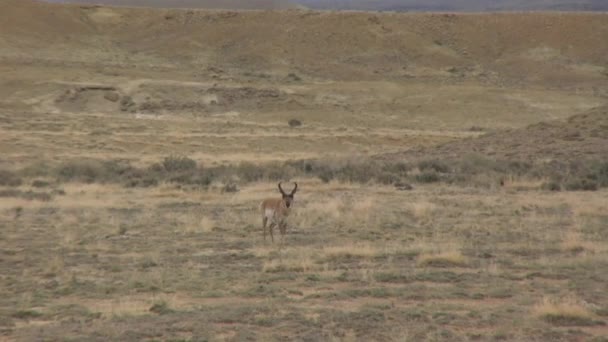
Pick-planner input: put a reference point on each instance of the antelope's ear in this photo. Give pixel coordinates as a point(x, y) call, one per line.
point(295, 188)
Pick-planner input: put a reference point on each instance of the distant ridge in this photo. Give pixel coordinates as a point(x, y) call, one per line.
point(198, 4)
point(559, 50)
point(582, 136)
point(458, 5)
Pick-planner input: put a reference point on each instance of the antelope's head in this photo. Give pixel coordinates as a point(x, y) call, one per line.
point(288, 198)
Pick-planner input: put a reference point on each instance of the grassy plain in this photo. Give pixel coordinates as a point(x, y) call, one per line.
point(359, 262)
point(91, 249)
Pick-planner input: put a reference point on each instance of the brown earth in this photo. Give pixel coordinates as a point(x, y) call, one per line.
point(564, 51)
point(88, 254)
point(459, 5)
point(204, 4)
point(580, 137)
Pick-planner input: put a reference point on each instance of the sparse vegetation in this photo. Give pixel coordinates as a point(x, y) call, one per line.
point(178, 164)
point(565, 313)
point(161, 308)
point(9, 178)
point(134, 162)
point(477, 170)
point(428, 177)
point(443, 259)
point(295, 123)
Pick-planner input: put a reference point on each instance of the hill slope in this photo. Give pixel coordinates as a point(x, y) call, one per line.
point(564, 50)
point(458, 5)
point(581, 137)
point(200, 4)
point(366, 5)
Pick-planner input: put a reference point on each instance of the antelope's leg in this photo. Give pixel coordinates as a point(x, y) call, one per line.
point(271, 227)
point(264, 221)
point(283, 228)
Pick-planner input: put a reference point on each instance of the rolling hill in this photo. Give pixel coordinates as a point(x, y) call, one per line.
point(458, 5)
point(367, 5)
point(553, 49)
point(582, 136)
point(201, 4)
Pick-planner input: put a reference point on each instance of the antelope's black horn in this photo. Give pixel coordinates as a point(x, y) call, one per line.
point(295, 188)
point(281, 189)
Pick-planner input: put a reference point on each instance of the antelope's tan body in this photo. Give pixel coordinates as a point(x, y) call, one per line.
point(276, 211)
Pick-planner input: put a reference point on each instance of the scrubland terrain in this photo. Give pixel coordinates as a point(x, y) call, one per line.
point(452, 175)
point(456, 5)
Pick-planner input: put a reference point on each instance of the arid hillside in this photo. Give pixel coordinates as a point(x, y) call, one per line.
point(441, 161)
point(459, 5)
point(201, 4)
point(552, 49)
point(580, 137)
point(366, 5)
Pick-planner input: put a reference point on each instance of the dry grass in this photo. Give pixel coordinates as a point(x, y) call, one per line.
point(356, 262)
point(422, 211)
point(206, 224)
point(180, 259)
point(290, 260)
point(442, 257)
point(573, 242)
point(567, 311)
point(353, 250)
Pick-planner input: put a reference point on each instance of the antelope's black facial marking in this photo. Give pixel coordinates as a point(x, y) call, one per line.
point(288, 199)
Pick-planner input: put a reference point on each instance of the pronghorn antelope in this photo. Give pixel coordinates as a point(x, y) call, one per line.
point(276, 210)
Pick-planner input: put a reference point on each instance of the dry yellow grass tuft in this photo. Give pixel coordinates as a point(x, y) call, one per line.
point(422, 211)
point(573, 242)
point(206, 224)
point(567, 311)
point(291, 260)
point(351, 250)
point(447, 258)
point(524, 183)
point(322, 210)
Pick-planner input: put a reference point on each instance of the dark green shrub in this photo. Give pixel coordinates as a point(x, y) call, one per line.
point(26, 314)
point(326, 175)
point(473, 164)
point(551, 186)
point(388, 178)
point(428, 177)
point(178, 164)
point(247, 172)
point(40, 196)
point(202, 179)
point(277, 172)
point(433, 165)
point(40, 184)
point(28, 195)
point(358, 172)
point(9, 178)
point(37, 169)
point(308, 167)
point(293, 77)
point(161, 308)
point(399, 168)
point(93, 170)
point(602, 174)
point(581, 184)
point(515, 167)
point(295, 123)
point(10, 193)
point(230, 187)
point(81, 170)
